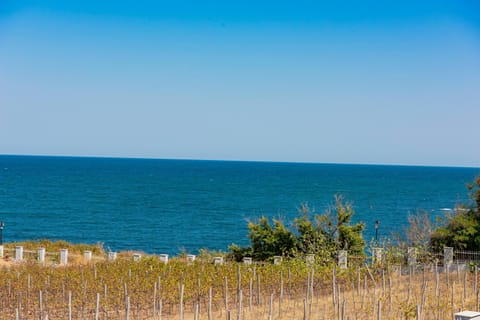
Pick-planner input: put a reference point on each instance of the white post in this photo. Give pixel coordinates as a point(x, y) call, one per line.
point(1, 251)
point(18, 253)
point(191, 258)
point(112, 256)
point(277, 260)
point(63, 256)
point(247, 260)
point(342, 259)
point(447, 258)
point(137, 257)
point(218, 260)
point(41, 255)
point(164, 258)
point(87, 255)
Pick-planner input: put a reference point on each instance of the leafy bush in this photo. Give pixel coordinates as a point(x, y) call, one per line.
point(323, 235)
point(462, 228)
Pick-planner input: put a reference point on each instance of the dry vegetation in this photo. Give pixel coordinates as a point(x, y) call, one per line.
point(55, 246)
point(150, 289)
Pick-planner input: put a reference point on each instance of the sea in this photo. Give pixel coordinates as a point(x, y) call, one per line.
point(173, 206)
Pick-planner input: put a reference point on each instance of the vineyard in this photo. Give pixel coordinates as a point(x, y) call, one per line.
point(294, 289)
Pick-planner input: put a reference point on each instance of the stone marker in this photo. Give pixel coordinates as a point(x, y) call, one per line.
point(87, 255)
point(18, 253)
point(447, 258)
point(137, 257)
point(164, 258)
point(63, 256)
point(41, 255)
point(112, 256)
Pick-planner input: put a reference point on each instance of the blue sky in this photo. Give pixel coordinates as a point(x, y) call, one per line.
point(343, 82)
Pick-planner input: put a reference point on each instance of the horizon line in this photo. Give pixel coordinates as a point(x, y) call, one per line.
point(238, 160)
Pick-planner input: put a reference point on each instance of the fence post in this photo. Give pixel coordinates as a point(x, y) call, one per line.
point(190, 258)
point(41, 255)
point(137, 257)
point(18, 253)
point(112, 256)
point(342, 259)
point(87, 255)
point(1, 251)
point(447, 258)
point(247, 260)
point(277, 260)
point(164, 257)
point(63, 256)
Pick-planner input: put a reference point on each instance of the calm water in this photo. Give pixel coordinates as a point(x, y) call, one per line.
point(163, 206)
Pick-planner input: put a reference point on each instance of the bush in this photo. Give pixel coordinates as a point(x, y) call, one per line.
point(462, 228)
point(324, 235)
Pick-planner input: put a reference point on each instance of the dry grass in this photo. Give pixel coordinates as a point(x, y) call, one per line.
point(402, 297)
point(292, 290)
point(55, 246)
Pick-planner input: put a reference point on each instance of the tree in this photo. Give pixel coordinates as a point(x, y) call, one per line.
point(312, 238)
point(462, 228)
point(324, 235)
point(349, 237)
point(266, 240)
point(419, 230)
point(474, 189)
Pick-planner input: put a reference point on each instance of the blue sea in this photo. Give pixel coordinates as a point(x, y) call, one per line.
point(168, 206)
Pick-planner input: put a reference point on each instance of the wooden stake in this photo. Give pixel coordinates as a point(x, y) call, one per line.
point(209, 308)
point(478, 309)
point(97, 306)
point(452, 301)
point(182, 288)
point(379, 310)
point(334, 287)
point(270, 310)
point(476, 280)
point(154, 300)
point(197, 307)
point(240, 304)
point(259, 297)
point(280, 298)
point(127, 311)
point(304, 309)
point(160, 309)
point(40, 305)
point(69, 305)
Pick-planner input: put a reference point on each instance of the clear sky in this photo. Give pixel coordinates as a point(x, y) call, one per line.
point(391, 82)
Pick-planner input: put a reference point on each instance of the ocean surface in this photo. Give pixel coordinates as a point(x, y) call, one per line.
point(166, 206)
